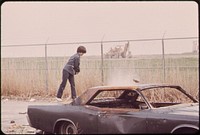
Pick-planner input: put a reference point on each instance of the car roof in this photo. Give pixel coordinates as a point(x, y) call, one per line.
point(129, 87)
point(135, 87)
point(114, 87)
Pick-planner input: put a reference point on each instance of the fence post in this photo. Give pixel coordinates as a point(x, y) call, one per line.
point(46, 64)
point(102, 65)
point(163, 59)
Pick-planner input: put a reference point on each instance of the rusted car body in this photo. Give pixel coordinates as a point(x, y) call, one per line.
point(121, 110)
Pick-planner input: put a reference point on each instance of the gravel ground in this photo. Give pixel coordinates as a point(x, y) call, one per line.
point(13, 115)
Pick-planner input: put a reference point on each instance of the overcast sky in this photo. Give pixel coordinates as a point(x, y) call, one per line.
point(61, 22)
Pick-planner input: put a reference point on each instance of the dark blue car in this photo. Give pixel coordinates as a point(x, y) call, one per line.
point(141, 108)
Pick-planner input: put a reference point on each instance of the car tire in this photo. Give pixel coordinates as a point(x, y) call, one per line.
point(68, 128)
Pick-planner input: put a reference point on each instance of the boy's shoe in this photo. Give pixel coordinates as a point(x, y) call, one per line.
point(74, 98)
point(58, 99)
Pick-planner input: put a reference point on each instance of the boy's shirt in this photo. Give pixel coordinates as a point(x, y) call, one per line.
point(73, 63)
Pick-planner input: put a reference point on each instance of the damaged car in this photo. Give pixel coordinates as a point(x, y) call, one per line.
point(141, 108)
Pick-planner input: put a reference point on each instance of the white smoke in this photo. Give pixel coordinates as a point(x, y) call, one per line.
point(121, 77)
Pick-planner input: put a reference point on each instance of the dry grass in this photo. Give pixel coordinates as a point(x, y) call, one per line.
point(26, 77)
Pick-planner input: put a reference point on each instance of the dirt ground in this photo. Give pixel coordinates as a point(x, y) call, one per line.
point(13, 115)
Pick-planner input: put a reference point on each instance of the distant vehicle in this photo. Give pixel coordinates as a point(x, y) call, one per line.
point(142, 108)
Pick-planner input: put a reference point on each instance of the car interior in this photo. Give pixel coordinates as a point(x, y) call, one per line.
point(132, 99)
point(121, 99)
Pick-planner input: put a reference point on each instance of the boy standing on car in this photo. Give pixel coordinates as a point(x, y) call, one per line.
point(71, 68)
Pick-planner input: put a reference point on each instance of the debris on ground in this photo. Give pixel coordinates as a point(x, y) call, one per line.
point(22, 112)
point(32, 100)
point(15, 121)
point(12, 121)
point(15, 128)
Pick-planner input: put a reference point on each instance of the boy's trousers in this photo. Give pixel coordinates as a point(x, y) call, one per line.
point(67, 75)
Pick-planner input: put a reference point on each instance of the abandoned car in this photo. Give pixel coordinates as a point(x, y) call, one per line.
point(142, 108)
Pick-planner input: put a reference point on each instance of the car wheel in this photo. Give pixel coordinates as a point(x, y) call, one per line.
point(68, 128)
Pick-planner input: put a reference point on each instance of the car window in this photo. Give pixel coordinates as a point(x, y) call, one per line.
point(165, 95)
point(117, 99)
point(111, 94)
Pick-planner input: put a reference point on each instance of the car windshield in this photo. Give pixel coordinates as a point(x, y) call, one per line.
point(108, 95)
point(165, 96)
point(105, 95)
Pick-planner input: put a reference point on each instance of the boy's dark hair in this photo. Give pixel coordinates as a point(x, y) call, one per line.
point(81, 49)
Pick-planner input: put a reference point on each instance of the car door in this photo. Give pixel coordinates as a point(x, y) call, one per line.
point(122, 121)
point(160, 122)
point(87, 119)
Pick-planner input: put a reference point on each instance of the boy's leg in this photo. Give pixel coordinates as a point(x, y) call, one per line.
point(72, 83)
point(63, 84)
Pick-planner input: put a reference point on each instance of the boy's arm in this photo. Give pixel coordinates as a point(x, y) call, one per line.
point(76, 65)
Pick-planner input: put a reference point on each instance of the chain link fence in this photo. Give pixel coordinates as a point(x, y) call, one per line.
point(34, 69)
